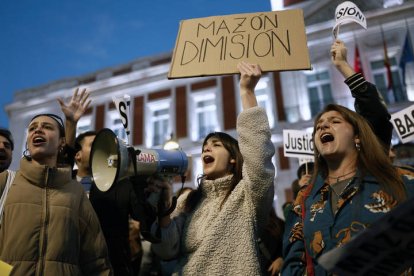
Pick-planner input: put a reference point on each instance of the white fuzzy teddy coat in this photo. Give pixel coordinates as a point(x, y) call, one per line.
point(214, 241)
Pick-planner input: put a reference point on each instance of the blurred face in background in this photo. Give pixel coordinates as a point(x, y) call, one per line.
point(392, 154)
point(82, 157)
point(5, 153)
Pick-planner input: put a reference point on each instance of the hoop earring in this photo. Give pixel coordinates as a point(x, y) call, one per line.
point(358, 146)
point(26, 154)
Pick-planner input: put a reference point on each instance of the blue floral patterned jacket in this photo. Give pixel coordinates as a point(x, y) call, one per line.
point(362, 202)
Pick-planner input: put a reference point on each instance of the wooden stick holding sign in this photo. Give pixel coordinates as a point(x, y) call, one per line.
point(215, 45)
point(306, 161)
point(123, 107)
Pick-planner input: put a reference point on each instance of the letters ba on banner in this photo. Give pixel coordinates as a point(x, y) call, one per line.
point(215, 45)
point(297, 143)
point(403, 122)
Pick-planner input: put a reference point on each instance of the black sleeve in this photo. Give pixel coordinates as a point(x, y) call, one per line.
point(141, 210)
point(370, 105)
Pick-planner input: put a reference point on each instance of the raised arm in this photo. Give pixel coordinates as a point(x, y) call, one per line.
point(339, 58)
point(249, 76)
point(73, 111)
point(368, 101)
point(254, 140)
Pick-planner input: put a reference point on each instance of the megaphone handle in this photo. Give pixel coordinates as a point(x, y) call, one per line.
point(167, 212)
point(173, 202)
point(132, 153)
point(161, 214)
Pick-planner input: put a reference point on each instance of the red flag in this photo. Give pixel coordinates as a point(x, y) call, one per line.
point(357, 61)
point(387, 63)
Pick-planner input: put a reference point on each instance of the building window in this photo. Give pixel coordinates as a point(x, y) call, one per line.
point(396, 92)
point(114, 122)
point(205, 117)
point(158, 123)
point(264, 98)
point(319, 91)
point(392, 3)
point(84, 124)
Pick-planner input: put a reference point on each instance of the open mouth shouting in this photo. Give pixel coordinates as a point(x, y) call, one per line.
point(207, 159)
point(38, 140)
point(326, 138)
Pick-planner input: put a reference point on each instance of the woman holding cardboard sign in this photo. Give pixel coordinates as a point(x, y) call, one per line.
point(218, 232)
point(353, 184)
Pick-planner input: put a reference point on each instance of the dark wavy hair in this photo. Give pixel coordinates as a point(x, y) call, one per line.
point(232, 146)
point(371, 158)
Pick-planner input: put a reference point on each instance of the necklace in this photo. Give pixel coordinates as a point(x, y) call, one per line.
point(341, 176)
point(340, 184)
point(335, 196)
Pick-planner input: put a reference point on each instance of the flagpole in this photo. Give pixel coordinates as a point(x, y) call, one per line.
point(387, 63)
point(357, 57)
point(407, 27)
point(407, 55)
point(408, 31)
point(409, 37)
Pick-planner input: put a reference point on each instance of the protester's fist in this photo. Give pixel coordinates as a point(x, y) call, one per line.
point(249, 75)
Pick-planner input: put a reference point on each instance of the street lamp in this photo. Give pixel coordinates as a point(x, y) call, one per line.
point(171, 144)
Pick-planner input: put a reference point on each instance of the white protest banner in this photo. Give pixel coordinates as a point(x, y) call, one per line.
point(215, 45)
point(403, 122)
point(348, 12)
point(122, 104)
point(386, 248)
point(297, 143)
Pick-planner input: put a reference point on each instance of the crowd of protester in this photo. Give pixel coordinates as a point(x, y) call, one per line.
point(227, 225)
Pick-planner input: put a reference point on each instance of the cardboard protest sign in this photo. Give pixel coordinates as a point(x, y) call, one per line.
point(297, 143)
point(385, 248)
point(123, 107)
point(348, 12)
point(215, 45)
point(403, 122)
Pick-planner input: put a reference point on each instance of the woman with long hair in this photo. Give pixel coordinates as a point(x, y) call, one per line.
point(218, 232)
point(353, 184)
